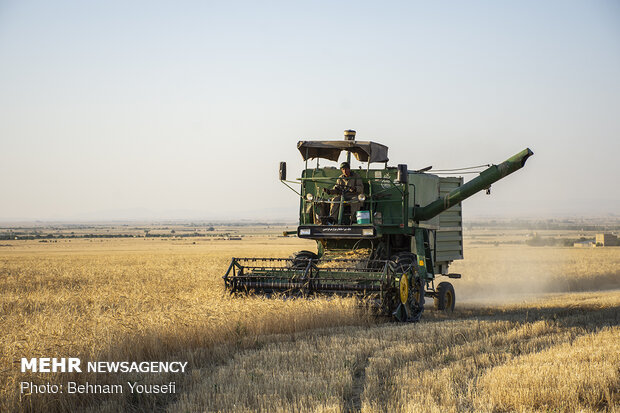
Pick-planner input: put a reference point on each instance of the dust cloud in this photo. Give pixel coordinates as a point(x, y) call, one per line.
point(512, 273)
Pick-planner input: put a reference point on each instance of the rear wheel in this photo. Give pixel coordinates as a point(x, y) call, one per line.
point(444, 297)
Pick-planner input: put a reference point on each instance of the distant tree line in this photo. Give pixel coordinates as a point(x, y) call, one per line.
point(538, 241)
point(70, 236)
point(545, 225)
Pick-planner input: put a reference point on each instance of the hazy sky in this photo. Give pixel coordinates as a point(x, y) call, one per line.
point(131, 109)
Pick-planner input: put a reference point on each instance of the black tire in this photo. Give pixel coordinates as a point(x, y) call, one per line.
point(299, 260)
point(405, 263)
point(405, 258)
point(444, 297)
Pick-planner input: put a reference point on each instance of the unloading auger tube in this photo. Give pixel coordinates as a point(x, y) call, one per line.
point(411, 227)
point(486, 178)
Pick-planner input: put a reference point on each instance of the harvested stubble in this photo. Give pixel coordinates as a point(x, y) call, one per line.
point(472, 363)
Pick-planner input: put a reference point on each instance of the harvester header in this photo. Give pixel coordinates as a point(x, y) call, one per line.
point(385, 233)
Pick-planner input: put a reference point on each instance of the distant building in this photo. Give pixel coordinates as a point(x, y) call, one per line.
point(606, 240)
point(584, 244)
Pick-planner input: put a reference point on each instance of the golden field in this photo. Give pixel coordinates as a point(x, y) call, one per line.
point(536, 329)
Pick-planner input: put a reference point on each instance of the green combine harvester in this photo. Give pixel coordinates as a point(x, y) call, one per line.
point(385, 234)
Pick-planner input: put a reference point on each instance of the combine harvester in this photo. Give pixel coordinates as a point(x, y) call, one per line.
point(405, 231)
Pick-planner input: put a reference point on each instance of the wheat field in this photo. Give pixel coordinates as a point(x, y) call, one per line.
point(536, 329)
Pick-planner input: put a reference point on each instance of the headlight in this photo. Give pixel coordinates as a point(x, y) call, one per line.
point(361, 197)
point(309, 197)
point(304, 231)
point(377, 218)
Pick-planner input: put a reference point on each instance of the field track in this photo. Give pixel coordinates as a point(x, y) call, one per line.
point(545, 355)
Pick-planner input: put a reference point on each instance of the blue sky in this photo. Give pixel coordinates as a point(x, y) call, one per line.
point(184, 109)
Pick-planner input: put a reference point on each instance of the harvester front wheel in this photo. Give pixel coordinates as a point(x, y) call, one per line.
point(408, 300)
point(299, 260)
point(444, 297)
point(405, 258)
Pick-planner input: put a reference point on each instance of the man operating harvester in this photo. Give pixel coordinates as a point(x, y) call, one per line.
point(350, 186)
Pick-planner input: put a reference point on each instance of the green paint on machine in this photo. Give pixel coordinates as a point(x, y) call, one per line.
point(387, 242)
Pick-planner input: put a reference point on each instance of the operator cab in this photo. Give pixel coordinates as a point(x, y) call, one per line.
point(328, 196)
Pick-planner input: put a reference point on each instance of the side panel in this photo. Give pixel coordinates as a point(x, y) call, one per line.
point(314, 180)
point(423, 189)
point(387, 194)
point(449, 236)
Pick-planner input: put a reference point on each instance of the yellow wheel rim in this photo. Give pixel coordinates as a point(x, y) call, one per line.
point(449, 299)
point(404, 289)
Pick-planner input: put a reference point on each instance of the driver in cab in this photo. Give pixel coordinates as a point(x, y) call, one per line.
point(348, 185)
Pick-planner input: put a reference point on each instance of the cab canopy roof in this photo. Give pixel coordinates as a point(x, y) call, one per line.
point(363, 151)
